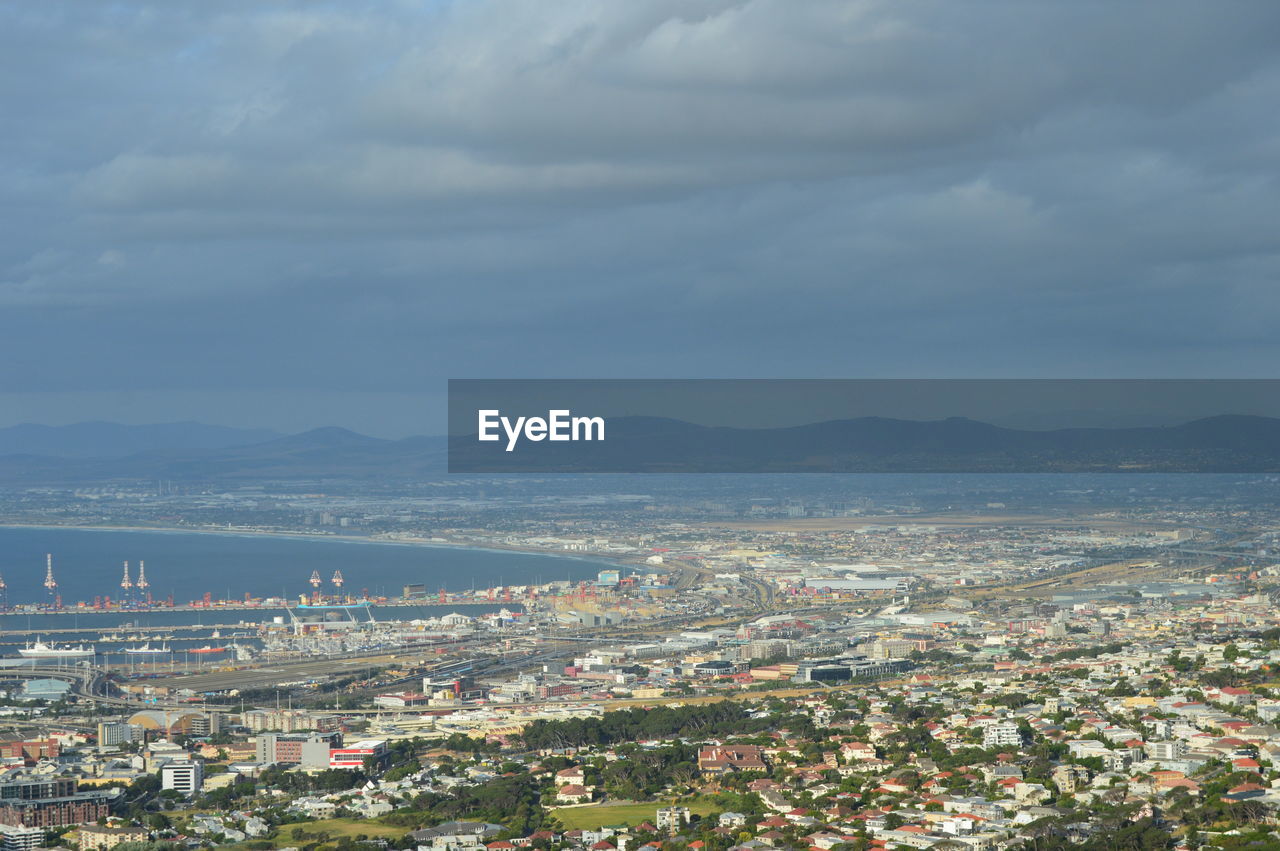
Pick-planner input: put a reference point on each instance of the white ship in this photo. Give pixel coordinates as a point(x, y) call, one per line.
point(40, 650)
point(148, 649)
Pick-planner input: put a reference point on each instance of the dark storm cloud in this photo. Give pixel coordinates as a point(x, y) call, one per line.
point(339, 205)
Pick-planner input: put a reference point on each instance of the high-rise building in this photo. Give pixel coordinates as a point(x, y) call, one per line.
point(113, 733)
point(182, 775)
point(206, 724)
point(308, 751)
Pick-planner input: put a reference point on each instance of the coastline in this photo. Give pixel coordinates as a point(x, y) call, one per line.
point(573, 565)
point(603, 558)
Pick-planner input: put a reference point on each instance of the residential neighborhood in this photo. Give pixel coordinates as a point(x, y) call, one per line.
point(1093, 740)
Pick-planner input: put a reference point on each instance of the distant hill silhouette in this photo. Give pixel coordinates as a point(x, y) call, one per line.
point(1246, 444)
point(320, 454)
point(115, 440)
point(876, 444)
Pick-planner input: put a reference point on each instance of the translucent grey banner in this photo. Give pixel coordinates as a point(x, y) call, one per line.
point(864, 425)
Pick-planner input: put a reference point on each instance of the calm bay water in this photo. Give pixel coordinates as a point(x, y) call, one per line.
point(88, 563)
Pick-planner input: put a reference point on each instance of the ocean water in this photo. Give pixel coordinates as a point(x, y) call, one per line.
point(88, 563)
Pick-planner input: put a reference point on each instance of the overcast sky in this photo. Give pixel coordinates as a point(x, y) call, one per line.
point(303, 214)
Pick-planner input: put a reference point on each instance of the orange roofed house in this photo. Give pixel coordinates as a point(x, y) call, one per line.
point(720, 759)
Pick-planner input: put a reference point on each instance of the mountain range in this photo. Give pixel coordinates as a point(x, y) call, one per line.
point(1226, 443)
point(194, 453)
point(323, 453)
point(115, 440)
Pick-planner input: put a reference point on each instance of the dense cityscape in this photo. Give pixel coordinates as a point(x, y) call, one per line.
point(991, 663)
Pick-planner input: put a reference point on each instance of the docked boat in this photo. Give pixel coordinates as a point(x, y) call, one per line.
point(40, 650)
point(147, 649)
point(209, 649)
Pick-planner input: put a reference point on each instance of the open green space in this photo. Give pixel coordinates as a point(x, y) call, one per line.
point(589, 818)
point(336, 828)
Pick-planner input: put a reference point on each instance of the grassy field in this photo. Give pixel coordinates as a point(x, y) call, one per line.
point(336, 828)
point(588, 818)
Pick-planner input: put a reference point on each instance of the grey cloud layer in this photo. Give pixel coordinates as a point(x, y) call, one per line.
point(301, 197)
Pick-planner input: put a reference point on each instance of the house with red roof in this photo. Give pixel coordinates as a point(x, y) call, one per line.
point(1233, 696)
point(574, 794)
point(1245, 791)
point(575, 776)
point(722, 759)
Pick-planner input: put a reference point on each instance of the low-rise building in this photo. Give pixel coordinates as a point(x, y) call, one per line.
point(96, 837)
point(672, 819)
point(355, 754)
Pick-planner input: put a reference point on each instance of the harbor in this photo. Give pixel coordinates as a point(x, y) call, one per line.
point(81, 569)
point(323, 608)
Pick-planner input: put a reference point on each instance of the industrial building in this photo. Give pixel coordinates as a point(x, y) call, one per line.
point(167, 722)
point(45, 689)
point(847, 668)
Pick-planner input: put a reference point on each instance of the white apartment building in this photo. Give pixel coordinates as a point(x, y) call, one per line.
point(1003, 734)
point(182, 775)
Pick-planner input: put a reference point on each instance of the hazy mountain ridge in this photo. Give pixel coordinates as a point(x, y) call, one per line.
point(1227, 443)
point(651, 444)
point(321, 453)
point(117, 440)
